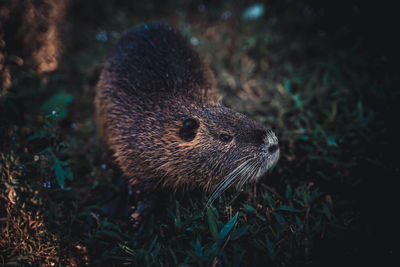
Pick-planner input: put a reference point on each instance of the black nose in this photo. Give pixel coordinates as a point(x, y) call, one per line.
point(273, 148)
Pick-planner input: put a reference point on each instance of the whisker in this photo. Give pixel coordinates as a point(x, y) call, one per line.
point(252, 169)
point(227, 182)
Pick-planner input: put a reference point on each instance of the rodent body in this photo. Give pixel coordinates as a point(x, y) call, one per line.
point(158, 110)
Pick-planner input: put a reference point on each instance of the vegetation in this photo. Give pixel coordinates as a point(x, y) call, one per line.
point(327, 89)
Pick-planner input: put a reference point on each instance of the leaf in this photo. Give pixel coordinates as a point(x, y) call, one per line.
point(288, 192)
point(332, 142)
point(13, 263)
point(110, 235)
point(270, 248)
point(199, 250)
point(50, 125)
point(68, 174)
point(177, 219)
point(299, 222)
point(287, 86)
point(280, 220)
point(35, 136)
point(237, 233)
point(155, 252)
point(212, 224)
point(270, 201)
point(227, 228)
point(152, 244)
point(128, 250)
point(304, 137)
point(288, 208)
point(60, 102)
point(297, 100)
point(47, 149)
point(262, 218)
point(211, 251)
point(249, 209)
point(328, 213)
point(173, 256)
point(111, 226)
point(60, 173)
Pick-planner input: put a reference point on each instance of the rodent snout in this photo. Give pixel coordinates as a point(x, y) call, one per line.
point(273, 148)
point(271, 142)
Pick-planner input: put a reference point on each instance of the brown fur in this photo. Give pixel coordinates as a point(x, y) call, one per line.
point(152, 82)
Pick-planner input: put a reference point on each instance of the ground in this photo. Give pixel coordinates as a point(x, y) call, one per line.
point(321, 75)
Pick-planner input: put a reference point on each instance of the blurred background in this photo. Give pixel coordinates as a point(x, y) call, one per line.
point(323, 75)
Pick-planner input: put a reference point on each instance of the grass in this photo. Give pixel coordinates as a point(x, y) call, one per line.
point(327, 202)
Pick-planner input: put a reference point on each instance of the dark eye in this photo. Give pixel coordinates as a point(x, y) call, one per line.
point(189, 129)
point(190, 124)
point(225, 138)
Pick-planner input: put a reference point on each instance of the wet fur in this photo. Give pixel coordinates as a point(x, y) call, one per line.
point(153, 81)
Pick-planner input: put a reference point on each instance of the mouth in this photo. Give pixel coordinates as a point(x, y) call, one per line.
point(269, 162)
point(250, 169)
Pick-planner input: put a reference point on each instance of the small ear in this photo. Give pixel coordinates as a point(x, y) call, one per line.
point(189, 129)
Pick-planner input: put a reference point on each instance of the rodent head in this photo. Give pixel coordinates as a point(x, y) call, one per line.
point(217, 148)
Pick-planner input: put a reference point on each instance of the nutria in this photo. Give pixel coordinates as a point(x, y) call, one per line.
point(158, 110)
